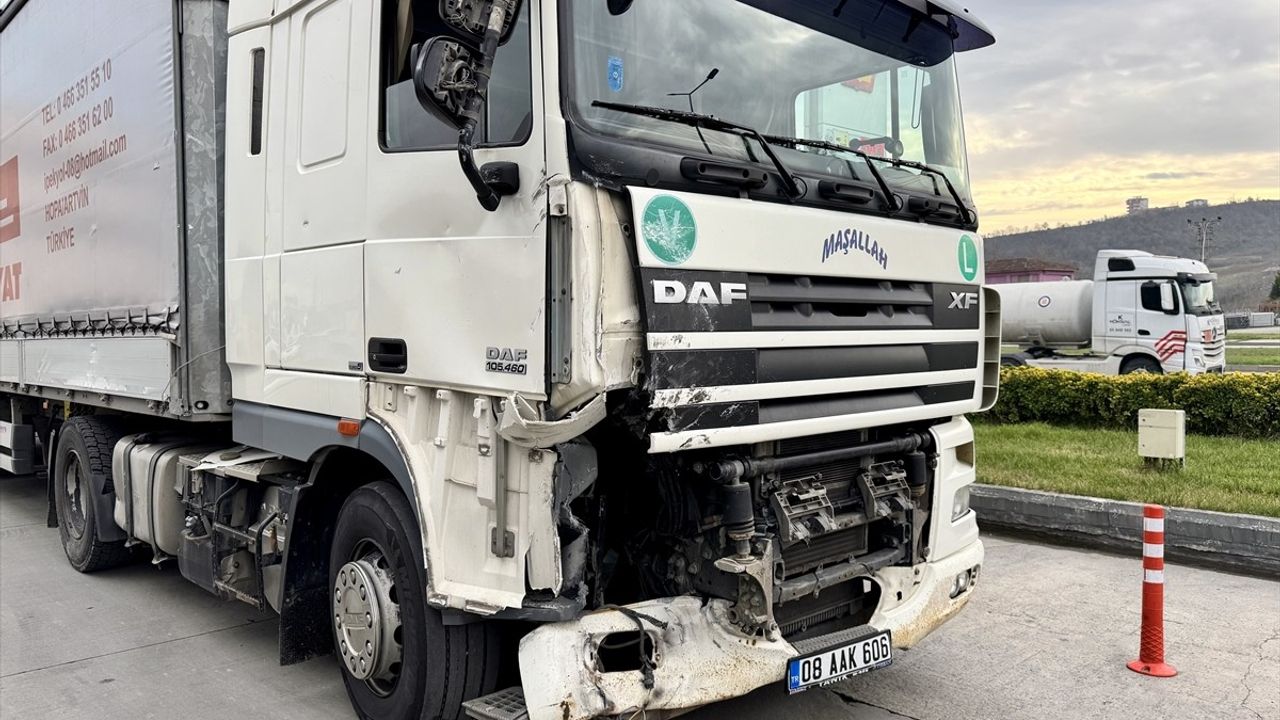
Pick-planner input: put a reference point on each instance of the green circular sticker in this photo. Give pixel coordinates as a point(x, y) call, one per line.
point(967, 257)
point(669, 229)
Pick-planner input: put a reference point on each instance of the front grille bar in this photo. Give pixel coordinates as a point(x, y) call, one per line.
point(813, 582)
point(734, 469)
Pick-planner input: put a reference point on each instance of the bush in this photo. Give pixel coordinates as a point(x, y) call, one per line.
point(1245, 404)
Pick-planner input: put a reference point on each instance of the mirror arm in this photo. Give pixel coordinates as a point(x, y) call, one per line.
point(488, 198)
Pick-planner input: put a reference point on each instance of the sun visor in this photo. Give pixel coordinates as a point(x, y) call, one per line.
point(893, 23)
point(971, 33)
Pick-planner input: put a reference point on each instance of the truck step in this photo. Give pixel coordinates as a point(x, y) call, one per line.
point(502, 705)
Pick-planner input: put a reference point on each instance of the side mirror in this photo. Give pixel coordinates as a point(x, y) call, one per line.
point(1167, 302)
point(451, 80)
point(470, 19)
point(444, 78)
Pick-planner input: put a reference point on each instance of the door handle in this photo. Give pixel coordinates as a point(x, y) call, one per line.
point(389, 355)
point(1144, 332)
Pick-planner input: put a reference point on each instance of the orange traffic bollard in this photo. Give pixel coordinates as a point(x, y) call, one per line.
point(1151, 656)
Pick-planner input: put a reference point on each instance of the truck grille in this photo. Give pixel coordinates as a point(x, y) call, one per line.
point(800, 348)
point(833, 547)
point(793, 302)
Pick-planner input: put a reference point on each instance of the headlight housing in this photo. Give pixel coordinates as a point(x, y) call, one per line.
point(960, 504)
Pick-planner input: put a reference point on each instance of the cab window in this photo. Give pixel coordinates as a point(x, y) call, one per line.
point(1150, 295)
point(406, 27)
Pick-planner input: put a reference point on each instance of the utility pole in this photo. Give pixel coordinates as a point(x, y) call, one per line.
point(1204, 233)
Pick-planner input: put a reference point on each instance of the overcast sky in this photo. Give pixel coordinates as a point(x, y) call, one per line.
point(1083, 103)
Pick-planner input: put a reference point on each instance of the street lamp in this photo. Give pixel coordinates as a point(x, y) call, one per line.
point(1204, 231)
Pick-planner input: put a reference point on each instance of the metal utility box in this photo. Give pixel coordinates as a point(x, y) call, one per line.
point(1162, 434)
point(111, 164)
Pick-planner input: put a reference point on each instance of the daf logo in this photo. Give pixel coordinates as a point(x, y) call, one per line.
point(700, 293)
point(963, 300)
point(506, 354)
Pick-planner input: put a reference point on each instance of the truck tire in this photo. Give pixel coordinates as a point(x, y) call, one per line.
point(1140, 363)
point(84, 452)
point(403, 663)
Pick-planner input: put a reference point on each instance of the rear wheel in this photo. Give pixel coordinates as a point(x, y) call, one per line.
point(1140, 363)
point(399, 660)
point(83, 463)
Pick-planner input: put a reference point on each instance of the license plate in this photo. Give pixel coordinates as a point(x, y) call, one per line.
point(837, 663)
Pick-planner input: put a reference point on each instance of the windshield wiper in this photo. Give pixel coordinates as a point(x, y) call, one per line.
point(868, 158)
point(965, 213)
point(826, 145)
point(710, 122)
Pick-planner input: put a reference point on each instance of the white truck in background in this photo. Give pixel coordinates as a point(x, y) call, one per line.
point(438, 326)
point(1140, 313)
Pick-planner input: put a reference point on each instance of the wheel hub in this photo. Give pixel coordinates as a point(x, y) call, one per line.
point(74, 486)
point(367, 621)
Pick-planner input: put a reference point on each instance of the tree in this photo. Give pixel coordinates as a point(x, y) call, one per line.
point(1275, 288)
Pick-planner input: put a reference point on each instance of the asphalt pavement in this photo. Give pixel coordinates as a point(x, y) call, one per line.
point(1046, 636)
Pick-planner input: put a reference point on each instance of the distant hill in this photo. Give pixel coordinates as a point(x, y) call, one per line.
point(1245, 251)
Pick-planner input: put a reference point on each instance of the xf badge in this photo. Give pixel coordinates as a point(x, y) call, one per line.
point(963, 300)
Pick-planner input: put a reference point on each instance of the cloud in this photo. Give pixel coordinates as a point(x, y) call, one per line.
point(1175, 175)
point(1123, 83)
point(1096, 186)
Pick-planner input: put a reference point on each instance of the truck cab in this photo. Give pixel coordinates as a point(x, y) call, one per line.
point(1163, 307)
point(644, 331)
point(1140, 313)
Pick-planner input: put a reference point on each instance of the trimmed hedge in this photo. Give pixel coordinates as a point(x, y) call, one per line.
point(1245, 404)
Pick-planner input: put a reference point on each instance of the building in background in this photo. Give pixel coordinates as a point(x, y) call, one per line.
point(1017, 270)
point(1198, 203)
point(1137, 204)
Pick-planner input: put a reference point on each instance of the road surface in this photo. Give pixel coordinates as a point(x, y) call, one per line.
point(1046, 636)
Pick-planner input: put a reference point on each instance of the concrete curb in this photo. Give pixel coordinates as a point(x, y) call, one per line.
point(1240, 543)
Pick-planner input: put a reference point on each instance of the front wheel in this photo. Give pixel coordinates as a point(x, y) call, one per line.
point(399, 660)
point(1141, 364)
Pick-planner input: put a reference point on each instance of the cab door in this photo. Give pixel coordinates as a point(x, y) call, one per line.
point(1161, 325)
point(1120, 319)
point(454, 295)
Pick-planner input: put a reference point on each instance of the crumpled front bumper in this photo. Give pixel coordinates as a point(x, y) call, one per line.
point(699, 655)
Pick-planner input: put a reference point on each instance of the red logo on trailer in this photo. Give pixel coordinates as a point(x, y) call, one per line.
point(10, 210)
point(1173, 343)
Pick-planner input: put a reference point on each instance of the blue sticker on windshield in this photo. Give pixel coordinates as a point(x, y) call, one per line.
point(615, 74)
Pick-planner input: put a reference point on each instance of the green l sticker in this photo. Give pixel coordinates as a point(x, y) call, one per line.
point(967, 257)
point(669, 229)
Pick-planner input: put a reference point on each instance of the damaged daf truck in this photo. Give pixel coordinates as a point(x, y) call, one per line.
point(556, 359)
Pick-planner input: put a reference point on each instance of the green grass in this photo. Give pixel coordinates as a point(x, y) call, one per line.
point(1253, 356)
point(1234, 336)
point(1222, 473)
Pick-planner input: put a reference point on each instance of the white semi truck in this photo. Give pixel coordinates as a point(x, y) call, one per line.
point(638, 333)
point(1140, 313)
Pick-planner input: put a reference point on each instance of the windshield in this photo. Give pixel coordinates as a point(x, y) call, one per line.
point(856, 83)
point(1199, 298)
